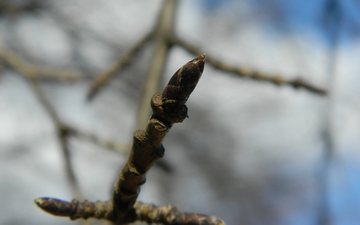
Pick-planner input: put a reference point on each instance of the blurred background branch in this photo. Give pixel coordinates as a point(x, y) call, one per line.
point(291, 157)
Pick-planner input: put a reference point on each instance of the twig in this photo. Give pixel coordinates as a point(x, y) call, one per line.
point(31, 74)
point(169, 215)
point(36, 72)
point(168, 108)
point(16, 7)
point(148, 213)
point(62, 134)
point(122, 61)
point(164, 29)
point(77, 209)
point(112, 145)
point(245, 72)
point(332, 17)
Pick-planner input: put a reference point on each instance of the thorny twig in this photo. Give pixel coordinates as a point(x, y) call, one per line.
point(168, 108)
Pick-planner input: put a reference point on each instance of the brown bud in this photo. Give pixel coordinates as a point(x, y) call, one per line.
point(184, 81)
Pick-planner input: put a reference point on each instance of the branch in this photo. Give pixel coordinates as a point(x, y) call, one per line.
point(122, 61)
point(62, 133)
point(112, 145)
point(163, 29)
point(169, 215)
point(36, 72)
point(244, 72)
point(168, 108)
point(76, 209)
point(148, 213)
point(17, 7)
point(31, 74)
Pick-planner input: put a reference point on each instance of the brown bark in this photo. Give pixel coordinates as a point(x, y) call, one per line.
point(149, 213)
point(77, 209)
point(171, 215)
point(168, 108)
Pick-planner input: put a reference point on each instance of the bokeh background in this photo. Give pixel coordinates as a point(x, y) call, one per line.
point(250, 153)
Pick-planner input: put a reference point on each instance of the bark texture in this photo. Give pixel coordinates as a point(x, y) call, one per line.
point(168, 108)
